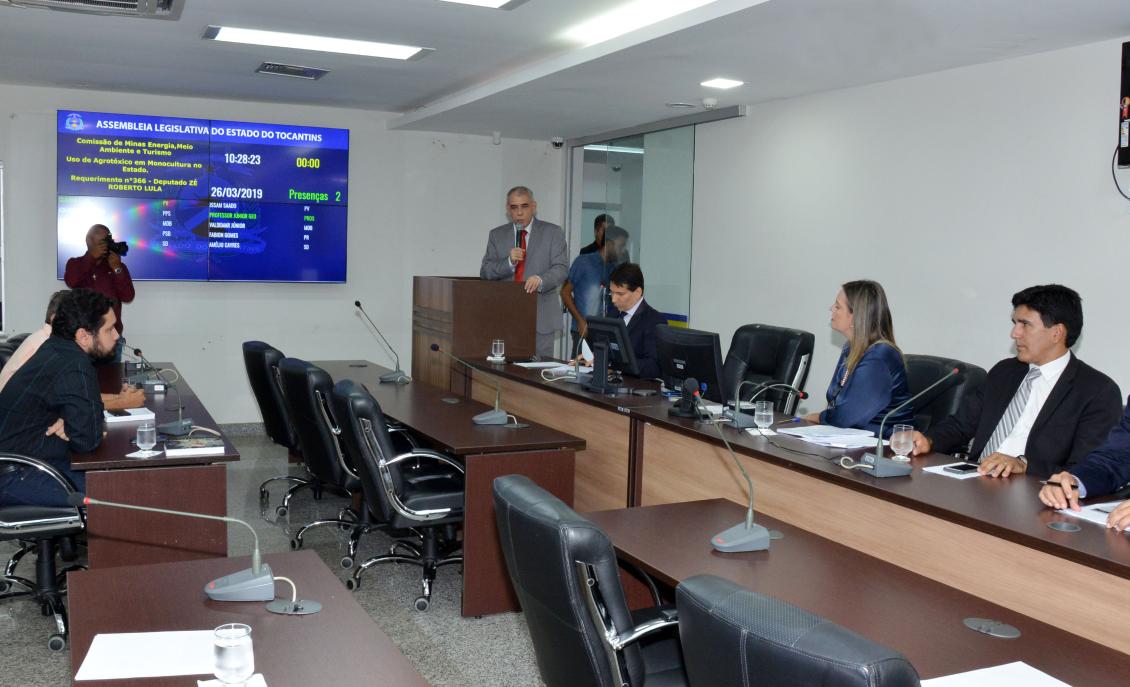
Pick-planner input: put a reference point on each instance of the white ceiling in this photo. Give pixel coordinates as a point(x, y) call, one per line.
point(510, 71)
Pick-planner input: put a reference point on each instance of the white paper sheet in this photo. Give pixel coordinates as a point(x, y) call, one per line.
point(1017, 674)
point(148, 654)
point(539, 365)
point(941, 470)
point(1096, 513)
point(819, 431)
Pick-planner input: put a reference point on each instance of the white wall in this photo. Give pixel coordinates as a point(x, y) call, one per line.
point(420, 204)
point(954, 190)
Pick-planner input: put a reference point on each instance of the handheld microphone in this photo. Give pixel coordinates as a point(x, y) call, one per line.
point(496, 416)
point(744, 536)
point(396, 375)
point(740, 420)
point(877, 463)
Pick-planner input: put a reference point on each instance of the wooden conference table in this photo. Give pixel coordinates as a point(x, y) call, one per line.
point(887, 604)
point(120, 537)
point(543, 454)
point(338, 646)
point(988, 537)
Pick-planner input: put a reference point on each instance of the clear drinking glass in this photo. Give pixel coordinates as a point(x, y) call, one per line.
point(763, 414)
point(146, 436)
point(902, 442)
point(497, 348)
point(234, 658)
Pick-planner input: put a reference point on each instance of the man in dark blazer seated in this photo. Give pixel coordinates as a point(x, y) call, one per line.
point(625, 285)
point(533, 253)
point(1039, 412)
point(1105, 471)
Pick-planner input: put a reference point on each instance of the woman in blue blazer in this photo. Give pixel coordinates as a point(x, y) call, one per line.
point(870, 377)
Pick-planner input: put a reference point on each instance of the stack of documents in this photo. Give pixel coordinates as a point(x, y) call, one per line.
point(836, 437)
point(1018, 674)
point(1096, 513)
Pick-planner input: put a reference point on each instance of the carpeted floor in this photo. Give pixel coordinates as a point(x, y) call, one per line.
point(449, 650)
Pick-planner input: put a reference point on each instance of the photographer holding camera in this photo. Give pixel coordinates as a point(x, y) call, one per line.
point(102, 270)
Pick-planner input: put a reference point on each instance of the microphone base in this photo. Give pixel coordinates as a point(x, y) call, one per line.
point(738, 539)
point(176, 428)
point(300, 607)
point(741, 420)
point(885, 467)
point(244, 585)
point(491, 417)
point(395, 377)
point(678, 411)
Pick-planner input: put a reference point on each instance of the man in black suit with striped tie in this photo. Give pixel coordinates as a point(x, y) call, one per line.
point(1039, 412)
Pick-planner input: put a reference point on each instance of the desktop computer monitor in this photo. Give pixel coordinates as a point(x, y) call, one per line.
point(611, 348)
point(687, 353)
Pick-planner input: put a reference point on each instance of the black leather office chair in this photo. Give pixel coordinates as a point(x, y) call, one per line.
point(761, 353)
point(262, 362)
point(924, 370)
point(565, 573)
point(306, 394)
point(46, 531)
point(433, 508)
point(730, 633)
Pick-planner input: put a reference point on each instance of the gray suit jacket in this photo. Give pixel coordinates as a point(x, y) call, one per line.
point(546, 256)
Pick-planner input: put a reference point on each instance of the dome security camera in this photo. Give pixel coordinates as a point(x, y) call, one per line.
point(557, 142)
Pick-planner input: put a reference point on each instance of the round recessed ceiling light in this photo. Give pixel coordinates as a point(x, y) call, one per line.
point(682, 106)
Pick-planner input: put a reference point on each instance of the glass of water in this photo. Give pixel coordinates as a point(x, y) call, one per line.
point(902, 442)
point(146, 436)
point(497, 348)
point(234, 659)
point(763, 414)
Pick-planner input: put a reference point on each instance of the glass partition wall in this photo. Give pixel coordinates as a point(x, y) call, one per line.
point(646, 183)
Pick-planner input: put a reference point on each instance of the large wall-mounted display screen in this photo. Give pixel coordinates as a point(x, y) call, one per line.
point(202, 199)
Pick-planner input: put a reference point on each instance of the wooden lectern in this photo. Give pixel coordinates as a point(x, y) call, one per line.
point(463, 315)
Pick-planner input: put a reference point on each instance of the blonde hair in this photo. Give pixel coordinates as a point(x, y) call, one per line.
point(871, 319)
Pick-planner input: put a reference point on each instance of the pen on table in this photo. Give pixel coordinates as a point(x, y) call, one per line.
point(785, 422)
point(1050, 483)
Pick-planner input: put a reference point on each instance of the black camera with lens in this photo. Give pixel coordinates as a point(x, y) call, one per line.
point(119, 247)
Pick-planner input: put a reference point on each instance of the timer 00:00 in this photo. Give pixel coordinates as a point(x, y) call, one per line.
point(308, 162)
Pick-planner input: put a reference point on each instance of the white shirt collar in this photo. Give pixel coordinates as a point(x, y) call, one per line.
point(630, 312)
point(1051, 371)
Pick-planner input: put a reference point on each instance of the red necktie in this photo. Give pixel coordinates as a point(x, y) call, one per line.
point(520, 268)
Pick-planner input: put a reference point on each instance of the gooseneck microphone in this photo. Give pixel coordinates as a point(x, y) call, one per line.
point(687, 406)
point(495, 416)
point(396, 376)
point(746, 535)
point(876, 463)
point(256, 584)
point(741, 420)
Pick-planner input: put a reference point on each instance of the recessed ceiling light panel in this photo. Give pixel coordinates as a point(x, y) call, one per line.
point(492, 4)
point(629, 17)
point(301, 41)
point(722, 83)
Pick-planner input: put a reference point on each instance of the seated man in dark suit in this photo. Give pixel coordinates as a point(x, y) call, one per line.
point(58, 382)
point(1039, 412)
point(1103, 472)
point(626, 289)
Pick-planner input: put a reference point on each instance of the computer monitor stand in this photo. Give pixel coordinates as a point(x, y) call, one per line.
point(599, 381)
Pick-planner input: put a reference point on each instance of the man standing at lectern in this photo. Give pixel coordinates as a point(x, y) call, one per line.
point(533, 253)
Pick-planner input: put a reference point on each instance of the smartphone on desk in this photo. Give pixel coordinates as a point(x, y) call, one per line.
point(961, 468)
point(119, 413)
